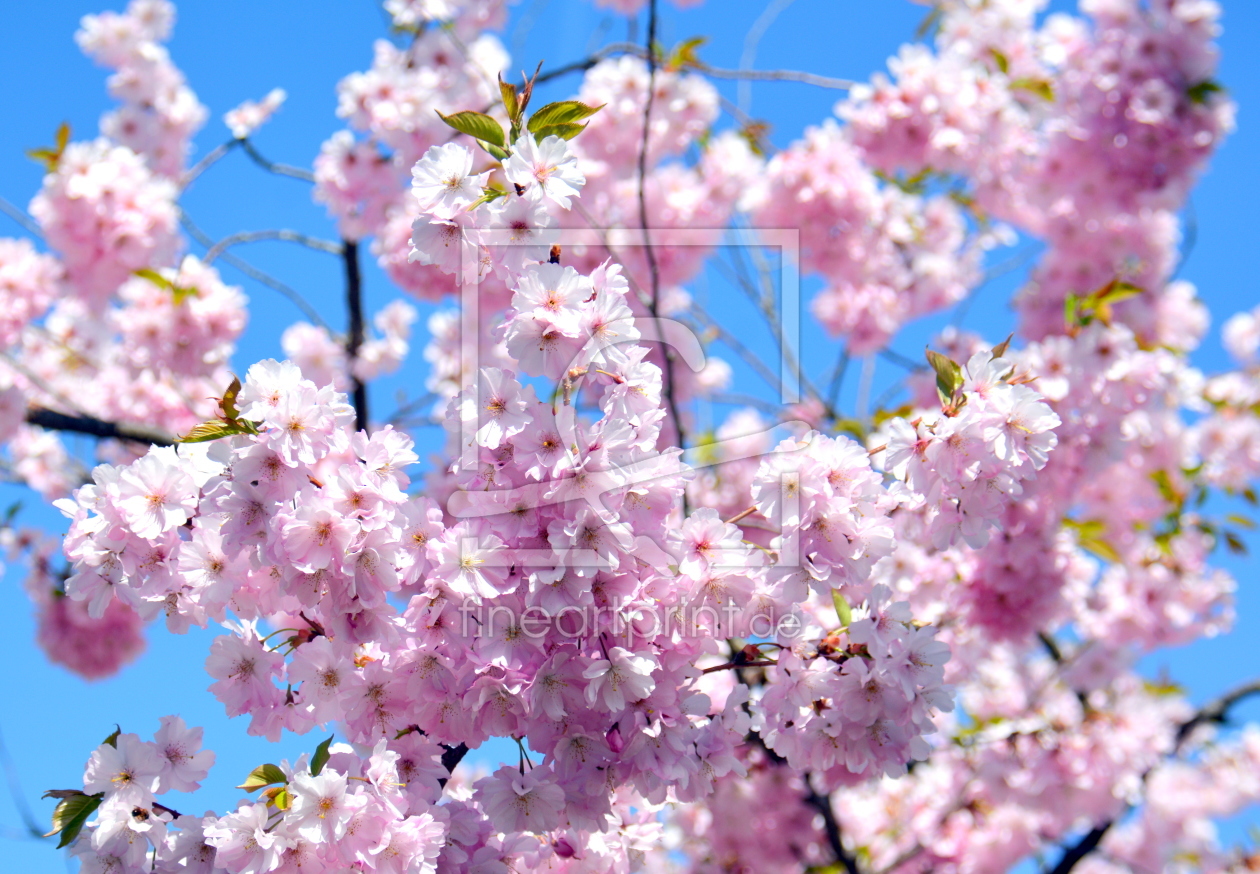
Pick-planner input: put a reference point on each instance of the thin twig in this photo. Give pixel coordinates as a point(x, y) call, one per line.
point(15, 790)
point(211, 158)
point(736, 399)
point(752, 40)
point(654, 270)
point(608, 51)
point(254, 273)
point(273, 167)
point(837, 377)
point(28, 224)
point(355, 334)
point(281, 234)
point(777, 76)
point(1216, 710)
point(1190, 239)
point(901, 360)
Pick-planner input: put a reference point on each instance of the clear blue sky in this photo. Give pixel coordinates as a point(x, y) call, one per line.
point(232, 50)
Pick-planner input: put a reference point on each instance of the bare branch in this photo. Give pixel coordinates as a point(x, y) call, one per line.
point(822, 804)
point(1216, 710)
point(608, 51)
point(273, 167)
point(282, 235)
point(28, 224)
point(451, 757)
point(51, 420)
point(654, 271)
point(19, 798)
point(254, 273)
point(777, 76)
point(207, 162)
point(355, 335)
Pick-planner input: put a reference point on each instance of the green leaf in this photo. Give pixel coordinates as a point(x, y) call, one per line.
point(931, 23)
point(1201, 92)
point(1116, 291)
point(1234, 543)
point(1039, 87)
point(999, 351)
point(949, 376)
point(156, 278)
point(564, 112)
point(181, 293)
point(50, 158)
point(1241, 521)
point(1163, 482)
point(112, 740)
point(227, 403)
point(71, 814)
point(684, 55)
point(281, 799)
point(510, 101)
point(843, 612)
point(563, 131)
point(216, 430)
point(1003, 64)
point(1100, 548)
point(494, 151)
point(489, 196)
point(263, 775)
point(1071, 310)
point(477, 125)
point(321, 757)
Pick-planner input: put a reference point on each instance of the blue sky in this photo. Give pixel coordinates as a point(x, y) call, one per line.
point(232, 50)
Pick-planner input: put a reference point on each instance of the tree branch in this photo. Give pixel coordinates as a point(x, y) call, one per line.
point(776, 76)
point(355, 335)
point(451, 757)
point(282, 235)
point(1216, 710)
point(273, 167)
point(28, 224)
point(53, 421)
point(211, 158)
point(823, 805)
point(254, 273)
point(654, 271)
point(608, 51)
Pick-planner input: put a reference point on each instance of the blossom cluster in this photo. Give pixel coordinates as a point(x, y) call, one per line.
point(718, 645)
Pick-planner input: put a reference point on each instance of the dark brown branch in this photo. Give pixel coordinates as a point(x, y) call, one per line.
point(654, 270)
point(54, 421)
point(1215, 711)
point(823, 805)
point(355, 335)
point(451, 757)
point(608, 51)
